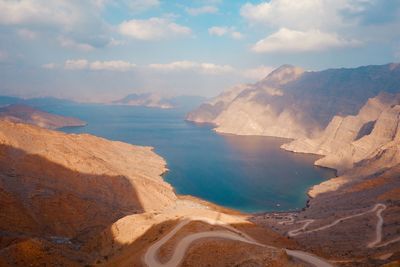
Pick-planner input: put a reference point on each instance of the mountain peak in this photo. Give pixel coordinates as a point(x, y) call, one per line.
point(284, 74)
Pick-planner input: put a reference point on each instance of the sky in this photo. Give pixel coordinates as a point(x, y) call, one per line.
point(102, 50)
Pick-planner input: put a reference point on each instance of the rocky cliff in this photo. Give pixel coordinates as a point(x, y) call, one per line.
point(352, 216)
point(294, 103)
point(351, 139)
point(27, 114)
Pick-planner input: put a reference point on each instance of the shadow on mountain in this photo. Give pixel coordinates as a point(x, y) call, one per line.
point(48, 211)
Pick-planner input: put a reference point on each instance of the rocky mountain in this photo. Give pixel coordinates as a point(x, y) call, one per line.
point(349, 140)
point(352, 216)
point(81, 200)
point(151, 100)
point(27, 114)
point(57, 190)
point(294, 103)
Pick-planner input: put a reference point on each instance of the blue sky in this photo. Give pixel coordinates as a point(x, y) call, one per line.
point(99, 50)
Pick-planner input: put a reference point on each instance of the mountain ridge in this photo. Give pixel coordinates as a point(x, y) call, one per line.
point(301, 106)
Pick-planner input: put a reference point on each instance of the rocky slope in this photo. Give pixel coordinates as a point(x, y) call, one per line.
point(151, 100)
point(57, 188)
point(27, 114)
point(81, 200)
point(348, 140)
point(294, 103)
point(341, 221)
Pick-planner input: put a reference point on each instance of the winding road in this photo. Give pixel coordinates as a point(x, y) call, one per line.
point(151, 258)
point(378, 208)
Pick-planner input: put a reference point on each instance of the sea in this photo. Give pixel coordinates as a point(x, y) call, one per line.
point(247, 173)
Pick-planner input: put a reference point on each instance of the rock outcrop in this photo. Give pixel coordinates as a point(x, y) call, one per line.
point(27, 114)
point(349, 140)
point(294, 103)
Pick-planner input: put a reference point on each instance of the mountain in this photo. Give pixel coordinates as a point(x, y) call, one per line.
point(151, 100)
point(81, 200)
point(294, 103)
point(348, 140)
point(352, 216)
point(37, 102)
point(27, 114)
point(154, 100)
point(58, 190)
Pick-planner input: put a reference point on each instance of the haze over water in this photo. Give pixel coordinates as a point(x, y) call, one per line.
point(247, 173)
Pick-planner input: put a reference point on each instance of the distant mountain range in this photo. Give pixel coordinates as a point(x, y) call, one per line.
point(151, 100)
point(30, 115)
point(154, 100)
point(294, 103)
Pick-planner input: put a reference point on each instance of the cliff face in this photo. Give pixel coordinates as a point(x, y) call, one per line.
point(27, 114)
point(349, 140)
point(293, 103)
point(352, 216)
point(54, 184)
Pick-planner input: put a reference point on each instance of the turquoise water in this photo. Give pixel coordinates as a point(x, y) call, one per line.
point(246, 173)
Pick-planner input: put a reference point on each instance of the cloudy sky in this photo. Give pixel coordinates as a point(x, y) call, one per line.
point(98, 50)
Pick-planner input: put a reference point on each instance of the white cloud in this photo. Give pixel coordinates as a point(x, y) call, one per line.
point(80, 21)
point(210, 68)
point(205, 68)
point(69, 43)
point(257, 73)
point(50, 66)
point(153, 29)
point(287, 40)
point(76, 64)
point(100, 4)
point(134, 6)
point(82, 64)
point(218, 31)
point(27, 34)
point(113, 65)
point(61, 13)
point(195, 11)
point(236, 35)
point(221, 31)
point(115, 42)
point(304, 15)
point(177, 65)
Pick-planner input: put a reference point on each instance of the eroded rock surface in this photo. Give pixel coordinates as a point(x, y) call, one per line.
point(294, 103)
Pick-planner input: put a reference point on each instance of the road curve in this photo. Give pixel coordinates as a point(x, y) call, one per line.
point(378, 230)
point(378, 208)
point(151, 258)
point(376, 243)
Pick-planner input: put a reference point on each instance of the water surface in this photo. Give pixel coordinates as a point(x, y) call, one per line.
point(247, 173)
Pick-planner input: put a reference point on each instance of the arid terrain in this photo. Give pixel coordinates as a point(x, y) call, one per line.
point(293, 103)
point(28, 114)
point(353, 219)
point(80, 200)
